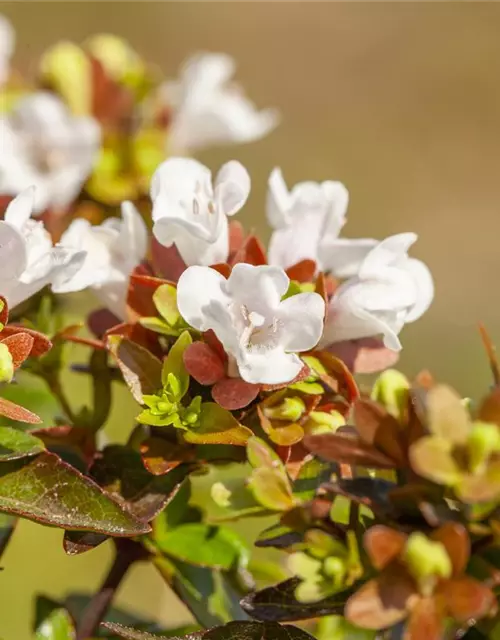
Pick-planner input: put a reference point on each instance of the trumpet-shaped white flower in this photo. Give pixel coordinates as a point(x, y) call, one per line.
point(28, 261)
point(7, 41)
point(207, 110)
point(113, 249)
point(390, 290)
point(260, 332)
point(43, 145)
point(191, 213)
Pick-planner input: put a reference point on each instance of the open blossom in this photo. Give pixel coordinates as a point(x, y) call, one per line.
point(45, 146)
point(191, 213)
point(260, 332)
point(28, 261)
point(113, 249)
point(389, 290)
point(7, 41)
point(208, 110)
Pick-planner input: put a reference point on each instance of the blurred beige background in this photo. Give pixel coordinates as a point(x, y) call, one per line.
point(399, 101)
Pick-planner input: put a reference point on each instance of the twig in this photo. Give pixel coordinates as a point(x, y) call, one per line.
point(127, 552)
point(491, 353)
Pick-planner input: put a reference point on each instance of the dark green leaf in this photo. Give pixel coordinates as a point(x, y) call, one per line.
point(232, 631)
point(76, 542)
point(49, 491)
point(280, 605)
point(16, 444)
point(121, 472)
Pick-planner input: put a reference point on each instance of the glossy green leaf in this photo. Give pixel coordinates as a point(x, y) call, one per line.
point(271, 488)
point(240, 630)
point(174, 363)
point(158, 326)
point(204, 545)
point(165, 299)
point(49, 491)
point(16, 444)
point(218, 426)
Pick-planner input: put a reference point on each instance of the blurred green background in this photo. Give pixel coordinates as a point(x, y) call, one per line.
point(399, 101)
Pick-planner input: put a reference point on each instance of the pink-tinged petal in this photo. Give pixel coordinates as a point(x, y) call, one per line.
point(203, 364)
point(259, 288)
point(366, 355)
point(232, 187)
point(424, 285)
point(13, 254)
point(301, 321)
point(197, 291)
point(20, 209)
point(279, 200)
point(343, 256)
point(234, 393)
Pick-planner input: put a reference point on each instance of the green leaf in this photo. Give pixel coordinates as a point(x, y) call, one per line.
point(49, 491)
point(16, 444)
point(271, 488)
point(218, 426)
point(174, 363)
point(165, 299)
point(205, 546)
point(141, 370)
point(53, 622)
point(239, 630)
point(279, 604)
point(260, 454)
point(158, 326)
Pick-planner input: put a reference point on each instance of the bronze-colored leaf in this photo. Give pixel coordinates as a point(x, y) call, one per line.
point(431, 458)
point(489, 410)
point(284, 434)
point(377, 427)
point(161, 456)
point(383, 545)
point(456, 541)
point(447, 416)
point(346, 449)
point(467, 598)
point(15, 412)
point(19, 346)
point(141, 370)
point(203, 363)
point(426, 621)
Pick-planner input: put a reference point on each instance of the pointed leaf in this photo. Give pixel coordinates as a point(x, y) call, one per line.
point(346, 449)
point(16, 444)
point(49, 491)
point(218, 426)
point(165, 299)
point(76, 542)
point(383, 545)
point(174, 363)
point(20, 346)
point(141, 370)
point(41, 344)
point(15, 412)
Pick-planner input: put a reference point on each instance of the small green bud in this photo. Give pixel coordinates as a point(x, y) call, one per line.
point(427, 561)
point(6, 364)
point(164, 406)
point(322, 422)
point(482, 441)
point(173, 385)
point(221, 495)
point(291, 409)
point(335, 568)
point(391, 390)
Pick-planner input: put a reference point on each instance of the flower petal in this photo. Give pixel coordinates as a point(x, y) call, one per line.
point(279, 201)
point(424, 286)
point(133, 234)
point(20, 209)
point(344, 256)
point(258, 288)
point(387, 253)
point(197, 290)
point(269, 367)
point(302, 321)
point(232, 187)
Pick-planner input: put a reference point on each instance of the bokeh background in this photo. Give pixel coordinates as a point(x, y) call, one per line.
point(399, 101)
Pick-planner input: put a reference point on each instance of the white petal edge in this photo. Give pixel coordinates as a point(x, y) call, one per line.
point(196, 289)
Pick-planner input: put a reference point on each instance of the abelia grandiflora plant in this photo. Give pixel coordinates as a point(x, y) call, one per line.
point(387, 503)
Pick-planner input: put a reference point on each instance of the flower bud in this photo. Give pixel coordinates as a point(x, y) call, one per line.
point(319, 422)
point(483, 440)
point(291, 410)
point(6, 364)
point(391, 390)
point(427, 561)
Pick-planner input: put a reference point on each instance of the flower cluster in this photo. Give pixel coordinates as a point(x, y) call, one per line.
point(387, 502)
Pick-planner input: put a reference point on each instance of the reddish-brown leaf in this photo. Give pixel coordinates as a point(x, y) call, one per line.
point(41, 344)
point(19, 346)
point(141, 370)
point(236, 236)
point(489, 411)
point(303, 271)
point(100, 320)
point(234, 393)
point(140, 295)
point(223, 268)
point(467, 598)
point(203, 363)
point(15, 412)
point(252, 252)
point(167, 261)
point(367, 355)
point(378, 428)
point(161, 456)
point(337, 369)
point(456, 541)
point(426, 620)
point(383, 545)
point(346, 449)
point(381, 602)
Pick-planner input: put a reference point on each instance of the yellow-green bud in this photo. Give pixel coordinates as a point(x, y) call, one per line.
point(291, 409)
point(427, 561)
point(482, 441)
point(391, 390)
point(67, 68)
point(6, 364)
point(221, 495)
point(322, 422)
point(335, 568)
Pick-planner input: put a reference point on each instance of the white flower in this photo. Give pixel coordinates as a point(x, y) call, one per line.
point(7, 41)
point(191, 213)
point(28, 261)
point(45, 146)
point(113, 250)
point(207, 110)
point(302, 218)
point(259, 332)
point(390, 290)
